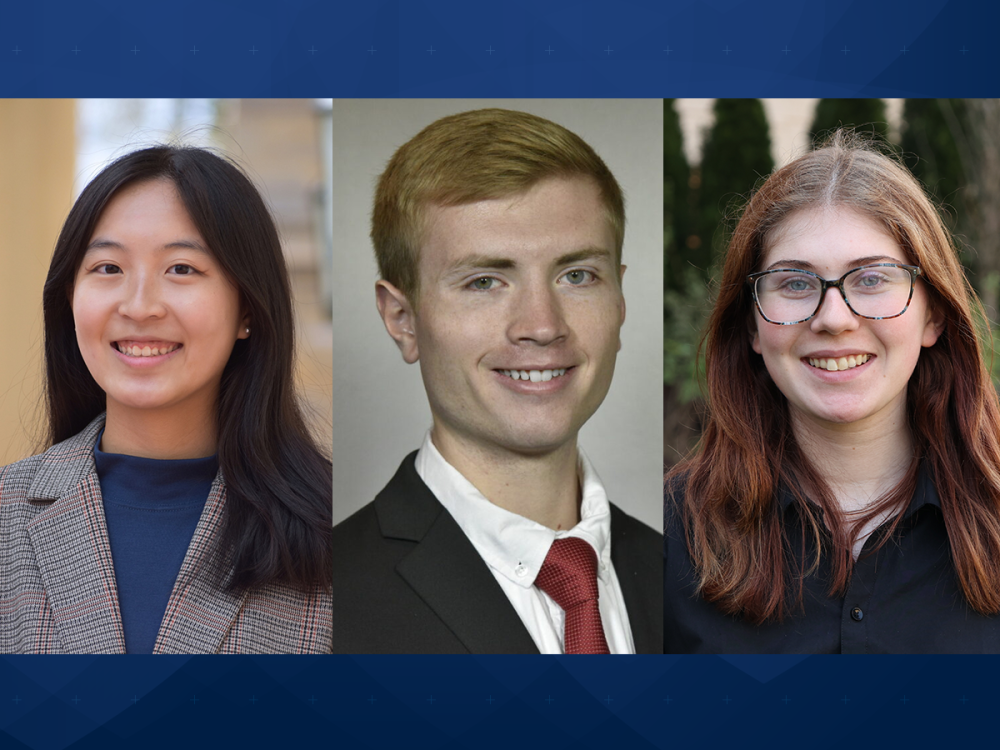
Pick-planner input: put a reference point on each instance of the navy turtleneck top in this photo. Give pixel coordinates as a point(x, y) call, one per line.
point(152, 508)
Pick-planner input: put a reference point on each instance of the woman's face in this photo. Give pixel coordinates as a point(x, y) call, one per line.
point(831, 241)
point(156, 319)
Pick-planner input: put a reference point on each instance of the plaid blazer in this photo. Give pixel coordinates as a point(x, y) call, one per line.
point(57, 582)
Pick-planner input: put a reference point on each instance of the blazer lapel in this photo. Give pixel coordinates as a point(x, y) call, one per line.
point(200, 613)
point(445, 570)
point(639, 568)
point(70, 541)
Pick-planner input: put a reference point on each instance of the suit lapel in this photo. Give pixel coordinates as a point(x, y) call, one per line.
point(445, 570)
point(640, 576)
point(70, 542)
point(201, 613)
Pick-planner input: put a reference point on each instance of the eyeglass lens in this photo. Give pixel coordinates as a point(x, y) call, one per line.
point(789, 296)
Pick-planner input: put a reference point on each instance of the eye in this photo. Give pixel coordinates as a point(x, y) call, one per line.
point(483, 284)
point(106, 269)
point(579, 277)
point(182, 269)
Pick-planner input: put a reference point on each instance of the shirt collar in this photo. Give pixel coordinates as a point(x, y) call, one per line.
point(513, 545)
point(925, 493)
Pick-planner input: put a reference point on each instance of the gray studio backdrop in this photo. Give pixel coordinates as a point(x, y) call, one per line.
point(380, 412)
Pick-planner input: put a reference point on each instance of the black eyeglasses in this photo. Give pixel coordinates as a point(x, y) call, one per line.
point(785, 296)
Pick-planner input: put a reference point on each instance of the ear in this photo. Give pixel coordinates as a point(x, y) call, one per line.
point(244, 332)
point(753, 328)
point(621, 300)
point(934, 326)
point(399, 319)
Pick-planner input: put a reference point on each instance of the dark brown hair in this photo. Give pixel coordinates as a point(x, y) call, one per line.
point(731, 516)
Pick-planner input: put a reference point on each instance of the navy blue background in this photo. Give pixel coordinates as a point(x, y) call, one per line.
point(566, 48)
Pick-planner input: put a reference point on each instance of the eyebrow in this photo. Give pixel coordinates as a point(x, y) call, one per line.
point(496, 262)
point(805, 265)
point(101, 243)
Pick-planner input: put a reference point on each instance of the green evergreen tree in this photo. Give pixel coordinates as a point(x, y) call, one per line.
point(736, 156)
point(866, 116)
point(676, 208)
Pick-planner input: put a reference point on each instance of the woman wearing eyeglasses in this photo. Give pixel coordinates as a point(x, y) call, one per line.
point(845, 497)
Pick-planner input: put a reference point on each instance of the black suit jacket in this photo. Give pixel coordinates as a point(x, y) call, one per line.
point(408, 580)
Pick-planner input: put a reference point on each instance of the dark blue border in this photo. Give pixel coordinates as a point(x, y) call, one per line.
point(458, 48)
point(701, 48)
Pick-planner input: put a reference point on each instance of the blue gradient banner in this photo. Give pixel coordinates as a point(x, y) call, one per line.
point(453, 48)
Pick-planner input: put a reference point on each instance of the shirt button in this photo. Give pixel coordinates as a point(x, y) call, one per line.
point(856, 614)
point(520, 571)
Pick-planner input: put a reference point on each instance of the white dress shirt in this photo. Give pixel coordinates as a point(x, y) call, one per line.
point(514, 548)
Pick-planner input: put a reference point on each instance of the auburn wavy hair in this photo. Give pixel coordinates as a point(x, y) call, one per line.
point(730, 483)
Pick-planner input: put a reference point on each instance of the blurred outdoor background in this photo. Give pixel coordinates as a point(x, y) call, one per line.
point(716, 151)
point(50, 149)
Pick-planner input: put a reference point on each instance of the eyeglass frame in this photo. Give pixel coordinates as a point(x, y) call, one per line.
point(826, 284)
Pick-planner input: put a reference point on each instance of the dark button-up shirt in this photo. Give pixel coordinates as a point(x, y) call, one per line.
point(902, 598)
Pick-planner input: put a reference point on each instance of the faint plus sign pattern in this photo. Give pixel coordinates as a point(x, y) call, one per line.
point(964, 50)
point(787, 700)
point(844, 700)
point(312, 49)
point(668, 50)
point(964, 700)
point(727, 50)
point(135, 50)
point(17, 50)
point(76, 50)
point(194, 50)
point(786, 50)
point(371, 700)
point(728, 700)
point(254, 50)
point(668, 700)
point(432, 50)
point(135, 699)
point(312, 700)
point(194, 699)
point(549, 49)
point(17, 700)
point(845, 50)
point(491, 50)
point(372, 50)
point(549, 699)
point(904, 50)
point(431, 700)
point(490, 700)
point(607, 700)
point(608, 51)
point(253, 699)
point(905, 700)
point(76, 700)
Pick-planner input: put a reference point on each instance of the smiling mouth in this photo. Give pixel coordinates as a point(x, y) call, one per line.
point(535, 376)
point(834, 364)
point(143, 349)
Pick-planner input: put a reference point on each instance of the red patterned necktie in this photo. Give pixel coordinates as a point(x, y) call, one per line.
point(569, 576)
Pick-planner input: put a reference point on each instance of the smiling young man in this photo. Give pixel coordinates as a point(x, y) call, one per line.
point(498, 236)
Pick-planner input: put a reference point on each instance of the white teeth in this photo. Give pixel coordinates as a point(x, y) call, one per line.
point(839, 363)
point(144, 351)
point(535, 376)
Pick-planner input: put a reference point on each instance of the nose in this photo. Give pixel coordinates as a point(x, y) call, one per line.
point(834, 316)
point(141, 297)
point(537, 316)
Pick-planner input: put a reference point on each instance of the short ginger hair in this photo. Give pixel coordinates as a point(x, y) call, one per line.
point(473, 156)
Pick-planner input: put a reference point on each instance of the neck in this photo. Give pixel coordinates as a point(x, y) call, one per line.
point(544, 487)
point(859, 462)
point(158, 433)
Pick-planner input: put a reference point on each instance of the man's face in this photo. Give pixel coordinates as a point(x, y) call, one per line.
point(517, 324)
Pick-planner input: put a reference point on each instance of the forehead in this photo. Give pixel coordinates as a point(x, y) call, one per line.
point(148, 205)
point(830, 237)
point(555, 216)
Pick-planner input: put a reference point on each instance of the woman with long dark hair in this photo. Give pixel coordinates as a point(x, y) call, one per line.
point(183, 506)
point(845, 496)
